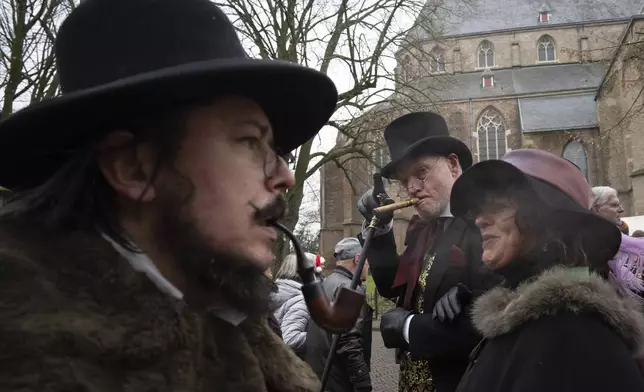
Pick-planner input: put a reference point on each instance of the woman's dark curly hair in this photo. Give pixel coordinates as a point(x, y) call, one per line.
point(551, 236)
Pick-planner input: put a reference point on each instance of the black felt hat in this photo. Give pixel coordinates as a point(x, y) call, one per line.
point(555, 181)
point(421, 133)
point(118, 59)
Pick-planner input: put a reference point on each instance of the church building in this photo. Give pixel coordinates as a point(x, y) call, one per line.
point(562, 76)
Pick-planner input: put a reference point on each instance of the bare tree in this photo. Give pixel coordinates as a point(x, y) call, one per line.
point(357, 38)
point(27, 67)
point(630, 56)
point(309, 222)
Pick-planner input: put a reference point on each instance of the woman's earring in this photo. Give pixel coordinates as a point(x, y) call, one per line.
point(545, 247)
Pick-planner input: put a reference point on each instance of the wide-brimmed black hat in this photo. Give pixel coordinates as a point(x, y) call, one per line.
point(421, 133)
point(555, 181)
point(118, 59)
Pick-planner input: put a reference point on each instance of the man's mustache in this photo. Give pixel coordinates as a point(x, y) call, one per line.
point(273, 211)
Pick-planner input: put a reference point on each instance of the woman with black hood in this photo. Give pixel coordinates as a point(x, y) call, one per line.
point(556, 324)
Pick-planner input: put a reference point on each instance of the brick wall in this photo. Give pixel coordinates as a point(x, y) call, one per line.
point(621, 120)
point(554, 142)
point(598, 41)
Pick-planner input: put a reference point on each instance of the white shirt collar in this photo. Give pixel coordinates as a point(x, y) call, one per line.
point(141, 262)
point(447, 213)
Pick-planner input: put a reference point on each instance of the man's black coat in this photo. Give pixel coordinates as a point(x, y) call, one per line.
point(446, 346)
point(352, 361)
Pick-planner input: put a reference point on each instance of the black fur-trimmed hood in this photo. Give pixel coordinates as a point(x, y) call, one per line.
point(501, 310)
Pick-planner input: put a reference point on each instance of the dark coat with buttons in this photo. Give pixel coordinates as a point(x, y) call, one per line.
point(457, 260)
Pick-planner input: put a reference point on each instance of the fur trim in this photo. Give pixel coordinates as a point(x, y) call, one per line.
point(501, 311)
point(73, 309)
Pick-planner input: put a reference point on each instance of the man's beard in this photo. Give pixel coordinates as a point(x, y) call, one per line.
point(434, 210)
point(219, 274)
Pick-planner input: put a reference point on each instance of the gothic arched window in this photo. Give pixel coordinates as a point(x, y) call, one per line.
point(437, 60)
point(576, 153)
point(486, 55)
point(546, 49)
point(491, 135)
point(380, 158)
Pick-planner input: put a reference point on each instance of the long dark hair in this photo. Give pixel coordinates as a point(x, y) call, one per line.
point(77, 196)
point(549, 234)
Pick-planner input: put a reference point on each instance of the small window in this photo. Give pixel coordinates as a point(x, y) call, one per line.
point(488, 81)
point(380, 158)
point(437, 61)
point(486, 55)
point(546, 49)
point(544, 16)
point(491, 135)
point(576, 153)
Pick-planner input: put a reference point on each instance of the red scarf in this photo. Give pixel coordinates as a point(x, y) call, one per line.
point(420, 236)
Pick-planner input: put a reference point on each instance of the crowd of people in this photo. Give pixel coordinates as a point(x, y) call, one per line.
point(137, 235)
point(350, 370)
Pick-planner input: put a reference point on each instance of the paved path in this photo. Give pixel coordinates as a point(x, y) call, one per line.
point(384, 371)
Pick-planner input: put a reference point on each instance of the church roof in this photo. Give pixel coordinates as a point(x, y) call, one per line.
point(514, 81)
point(542, 114)
point(494, 15)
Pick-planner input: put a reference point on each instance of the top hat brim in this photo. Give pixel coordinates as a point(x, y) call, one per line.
point(37, 140)
point(432, 145)
point(601, 238)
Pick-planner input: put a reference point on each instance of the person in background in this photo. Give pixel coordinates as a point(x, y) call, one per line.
point(350, 371)
point(273, 324)
point(638, 234)
point(435, 279)
point(555, 324)
point(627, 267)
point(288, 305)
point(606, 203)
point(319, 265)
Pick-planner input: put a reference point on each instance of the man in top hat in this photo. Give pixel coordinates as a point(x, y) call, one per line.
point(134, 246)
point(435, 279)
point(350, 370)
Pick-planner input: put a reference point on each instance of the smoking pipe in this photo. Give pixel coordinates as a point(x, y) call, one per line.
point(340, 316)
point(337, 317)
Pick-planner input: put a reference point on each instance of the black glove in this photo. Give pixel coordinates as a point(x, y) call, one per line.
point(375, 197)
point(360, 379)
point(391, 327)
point(452, 303)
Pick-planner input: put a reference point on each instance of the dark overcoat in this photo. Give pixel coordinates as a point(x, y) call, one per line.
point(351, 366)
point(75, 316)
point(559, 333)
point(457, 260)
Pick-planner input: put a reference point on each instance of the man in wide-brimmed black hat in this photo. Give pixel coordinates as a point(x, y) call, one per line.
point(435, 279)
point(134, 246)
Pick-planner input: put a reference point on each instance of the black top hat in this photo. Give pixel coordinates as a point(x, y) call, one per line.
point(121, 58)
point(422, 133)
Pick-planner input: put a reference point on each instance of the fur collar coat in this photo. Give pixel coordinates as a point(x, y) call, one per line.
point(75, 316)
point(560, 332)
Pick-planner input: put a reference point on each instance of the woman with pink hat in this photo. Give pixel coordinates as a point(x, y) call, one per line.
point(556, 323)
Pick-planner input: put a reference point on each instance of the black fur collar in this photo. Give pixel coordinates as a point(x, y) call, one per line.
point(501, 310)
